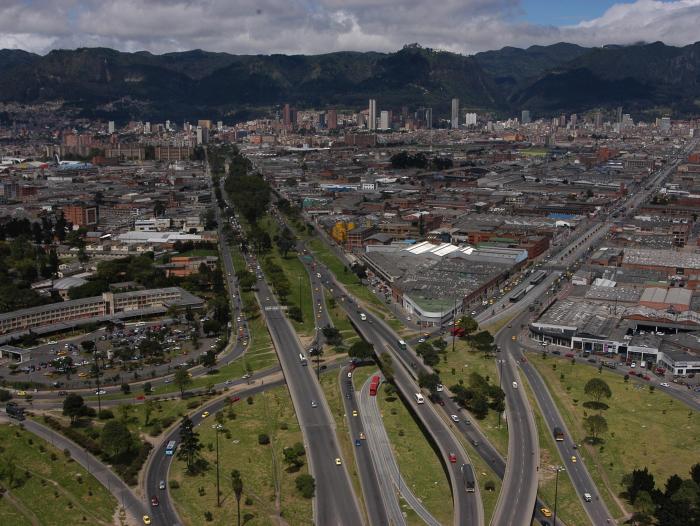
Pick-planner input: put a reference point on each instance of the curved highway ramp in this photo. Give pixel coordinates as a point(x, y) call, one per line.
point(387, 468)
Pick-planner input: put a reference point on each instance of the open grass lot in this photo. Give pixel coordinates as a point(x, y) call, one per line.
point(261, 466)
point(666, 432)
point(340, 321)
point(464, 361)
point(418, 462)
point(331, 390)
point(569, 507)
point(58, 490)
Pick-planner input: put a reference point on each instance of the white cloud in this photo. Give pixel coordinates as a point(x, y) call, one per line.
point(317, 26)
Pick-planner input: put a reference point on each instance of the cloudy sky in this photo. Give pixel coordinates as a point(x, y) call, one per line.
point(316, 26)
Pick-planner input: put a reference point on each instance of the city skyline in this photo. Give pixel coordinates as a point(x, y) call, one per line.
point(328, 25)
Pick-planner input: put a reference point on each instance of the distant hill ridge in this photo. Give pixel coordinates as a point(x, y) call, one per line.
point(546, 80)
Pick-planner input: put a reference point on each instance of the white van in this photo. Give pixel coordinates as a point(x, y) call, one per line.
point(363, 316)
point(515, 385)
point(419, 398)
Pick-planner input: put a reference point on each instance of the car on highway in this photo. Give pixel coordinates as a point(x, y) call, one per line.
point(358, 442)
point(453, 458)
point(514, 337)
point(515, 385)
point(664, 384)
point(205, 414)
point(546, 512)
point(421, 340)
point(454, 418)
point(161, 484)
point(573, 459)
point(21, 393)
point(154, 501)
point(314, 403)
point(100, 392)
point(587, 497)
point(146, 519)
point(354, 412)
point(439, 388)
point(338, 462)
point(362, 436)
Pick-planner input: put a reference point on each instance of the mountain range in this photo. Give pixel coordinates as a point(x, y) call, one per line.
point(98, 82)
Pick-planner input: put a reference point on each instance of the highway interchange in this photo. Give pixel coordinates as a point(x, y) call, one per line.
point(335, 501)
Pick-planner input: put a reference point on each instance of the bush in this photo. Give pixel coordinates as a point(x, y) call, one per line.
point(284, 426)
point(174, 484)
point(248, 501)
point(248, 517)
point(193, 404)
point(306, 485)
point(208, 516)
point(105, 414)
point(490, 485)
point(156, 430)
point(167, 421)
point(263, 439)
point(249, 400)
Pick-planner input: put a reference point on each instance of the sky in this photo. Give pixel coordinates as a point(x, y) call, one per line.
point(320, 26)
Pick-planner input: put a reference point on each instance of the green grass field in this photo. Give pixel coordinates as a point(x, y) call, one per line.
point(464, 361)
point(418, 462)
point(268, 488)
point(569, 507)
point(58, 491)
point(666, 432)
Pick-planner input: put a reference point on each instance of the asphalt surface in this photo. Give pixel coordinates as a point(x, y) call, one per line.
point(380, 499)
point(379, 446)
point(373, 497)
point(519, 491)
point(468, 508)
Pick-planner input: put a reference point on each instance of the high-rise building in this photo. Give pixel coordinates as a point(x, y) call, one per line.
point(147, 128)
point(287, 116)
point(562, 120)
point(202, 135)
point(110, 127)
point(204, 123)
point(598, 120)
point(384, 123)
point(665, 124)
point(429, 118)
point(455, 113)
point(525, 117)
point(470, 119)
point(626, 121)
point(573, 119)
point(332, 119)
point(372, 116)
point(220, 125)
point(167, 125)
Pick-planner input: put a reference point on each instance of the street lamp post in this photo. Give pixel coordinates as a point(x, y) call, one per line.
point(217, 428)
point(556, 491)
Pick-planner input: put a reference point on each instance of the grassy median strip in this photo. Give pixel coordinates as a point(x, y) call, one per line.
point(569, 507)
point(666, 431)
point(269, 490)
point(46, 487)
point(458, 365)
point(417, 460)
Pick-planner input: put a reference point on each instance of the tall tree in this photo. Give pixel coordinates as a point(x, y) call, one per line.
point(73, 406)
point(182, 380)
point(595, 425)
point(597, 388)
point(237, 485)
point(190, 446)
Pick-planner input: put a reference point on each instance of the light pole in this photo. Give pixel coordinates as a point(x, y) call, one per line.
point(556, 491)
point(217, 428)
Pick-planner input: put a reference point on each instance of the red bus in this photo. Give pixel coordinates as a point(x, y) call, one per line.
point(374, 384)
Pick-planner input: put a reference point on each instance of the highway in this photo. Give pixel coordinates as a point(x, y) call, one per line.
point(379, 445)
point(335, 501)
point(577, 471)
point(376, 506)
point(380, 499)
point(467, 506)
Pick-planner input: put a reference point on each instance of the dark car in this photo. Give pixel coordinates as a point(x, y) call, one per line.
point(154, 501)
